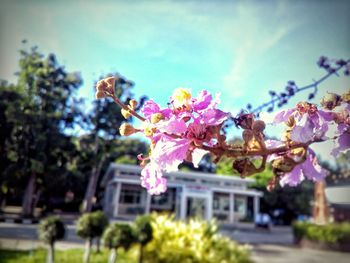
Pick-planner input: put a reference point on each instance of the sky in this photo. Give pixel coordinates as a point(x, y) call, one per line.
point(241, 49)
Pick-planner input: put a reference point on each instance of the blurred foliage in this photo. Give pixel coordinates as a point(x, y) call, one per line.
point(91, 225)
point(118, 235)
point(196, 241)
point(329, 233)
point(51, 229)
point(41, 157)
point(143, 229)
point(63, 256)
point(36, 111)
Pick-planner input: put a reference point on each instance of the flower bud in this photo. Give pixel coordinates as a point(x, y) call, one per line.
point(126, 114)
point(258, 126)
point(283, 164)
point(100, 94)
point(244, 166)
point(133, 104)
point(299, 152)
point(247, 135)
point(245, 121)
point(101, 85)
point(346, 97)
point(156, 117)
point(126, 129)
point(330, 101)
point(110, 82)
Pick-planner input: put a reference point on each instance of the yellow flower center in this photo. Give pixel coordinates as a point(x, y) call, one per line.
point(181, 97)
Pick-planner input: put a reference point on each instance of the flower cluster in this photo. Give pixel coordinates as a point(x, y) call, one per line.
point(190, 127)
point(177, 133)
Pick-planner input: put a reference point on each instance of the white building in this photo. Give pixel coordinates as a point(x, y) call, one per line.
point(189, 194)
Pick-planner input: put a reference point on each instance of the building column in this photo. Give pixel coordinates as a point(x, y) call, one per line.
point(148, 203)
point(232, 208)
point(210, 206)
point(116, 199)
point(183, 204)
point(106, 205)
point(256, 206)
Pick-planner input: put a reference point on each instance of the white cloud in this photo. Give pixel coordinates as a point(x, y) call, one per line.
point(253, 41)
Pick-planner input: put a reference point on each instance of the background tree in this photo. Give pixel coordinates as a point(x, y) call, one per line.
point(50, 230)
point(118, 235)
point(143, 232)
point(37, 144)
point(103, 122)
point(90, 226)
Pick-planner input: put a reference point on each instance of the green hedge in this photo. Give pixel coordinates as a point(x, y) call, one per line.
point(195, 241)
point(328, 234)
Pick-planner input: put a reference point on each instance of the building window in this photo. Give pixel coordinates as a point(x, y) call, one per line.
point(221, 202)
point(132, 200)
point(164, 202)
point(240, 208)
point(130, 197)
point(221, 206)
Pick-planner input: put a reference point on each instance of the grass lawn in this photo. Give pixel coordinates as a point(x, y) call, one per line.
point(63, 256)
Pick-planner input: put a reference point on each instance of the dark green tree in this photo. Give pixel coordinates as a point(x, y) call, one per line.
point(91, 226)
point(50, 230)
point(37, 145)
point(143, 232)
point(118, 235)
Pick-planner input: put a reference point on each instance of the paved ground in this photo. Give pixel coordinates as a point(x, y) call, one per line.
point(268, 246)
point(277, 235)
point(290, 254)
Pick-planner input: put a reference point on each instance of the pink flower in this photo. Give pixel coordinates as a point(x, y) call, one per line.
point(170, 152)
point(150, 107)
point(310, 123)
point(213, 117)
point(152, 179)
point(310, 169)
point(342, 142)
point(202, 101)
point(197, 132)
point(205, 106)
point(173, 125)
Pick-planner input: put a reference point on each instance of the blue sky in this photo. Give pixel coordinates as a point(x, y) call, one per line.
point(239, 48)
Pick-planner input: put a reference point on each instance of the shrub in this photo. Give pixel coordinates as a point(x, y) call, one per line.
point(143, 232)
point(328, 234)
point(90, 226)
point(196, 241)
point(50, 230)
point(118, 236)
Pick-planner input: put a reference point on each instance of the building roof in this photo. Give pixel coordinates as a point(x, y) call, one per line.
point(132, 170)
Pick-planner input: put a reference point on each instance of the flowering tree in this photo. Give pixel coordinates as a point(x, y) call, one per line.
point(190, 127)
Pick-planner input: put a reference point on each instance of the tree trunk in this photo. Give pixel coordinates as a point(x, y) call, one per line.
point(320, 209)
point(112, 256)
point(98, 245)
point(2, 201)
point(141, 254)
point(86, 257)
point(95, 173)
point(27, 204)
point(36, 198)
point(50, 253)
